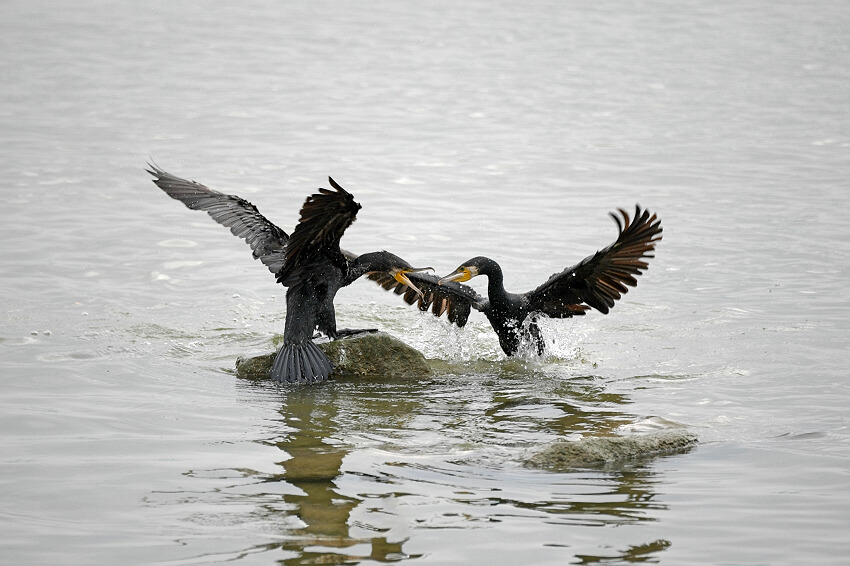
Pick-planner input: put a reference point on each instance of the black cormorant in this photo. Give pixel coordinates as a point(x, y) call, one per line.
point(595, 282)
point(309, 262)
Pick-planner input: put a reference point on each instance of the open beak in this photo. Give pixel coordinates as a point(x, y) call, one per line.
point(460, 275)
point(401, 277)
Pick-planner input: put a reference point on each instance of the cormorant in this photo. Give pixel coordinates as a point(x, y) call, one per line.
point(309, 262)
point(595, 282)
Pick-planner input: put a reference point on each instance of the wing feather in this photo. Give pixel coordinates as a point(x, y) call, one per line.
point(599, 280)
point(453, 299)
point(267, 241)
point(325, 216)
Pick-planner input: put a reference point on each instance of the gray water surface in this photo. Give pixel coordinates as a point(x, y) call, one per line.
point(463, 129)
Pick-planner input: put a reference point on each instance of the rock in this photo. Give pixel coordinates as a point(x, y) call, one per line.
point(606, 450)
point(255, 367)
point(373, 354)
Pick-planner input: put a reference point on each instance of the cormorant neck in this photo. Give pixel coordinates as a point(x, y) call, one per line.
point(495, 278)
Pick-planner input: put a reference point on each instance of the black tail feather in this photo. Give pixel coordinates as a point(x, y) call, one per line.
point(301, 363)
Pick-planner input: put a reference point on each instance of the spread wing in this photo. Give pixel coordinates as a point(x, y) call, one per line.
point(455, 299)
point(324, 218)
point(599, 280)
point(267, 241)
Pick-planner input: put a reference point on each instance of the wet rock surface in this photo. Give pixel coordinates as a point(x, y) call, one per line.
point(373, 354)
point(611, 450)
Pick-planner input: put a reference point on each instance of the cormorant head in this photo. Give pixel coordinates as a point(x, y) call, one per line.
point(467, 270)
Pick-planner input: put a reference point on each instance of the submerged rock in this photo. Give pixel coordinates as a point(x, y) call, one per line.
point(605, 450)
point(373, 354)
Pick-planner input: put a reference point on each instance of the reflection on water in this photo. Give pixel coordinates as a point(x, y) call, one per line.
point(634, 554)
point(313, 462)
point(368, 466)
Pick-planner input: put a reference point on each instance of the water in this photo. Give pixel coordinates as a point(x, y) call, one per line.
point(463, 129)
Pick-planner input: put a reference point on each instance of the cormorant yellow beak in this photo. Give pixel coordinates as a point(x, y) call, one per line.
point(460, 274)
point(401, 277)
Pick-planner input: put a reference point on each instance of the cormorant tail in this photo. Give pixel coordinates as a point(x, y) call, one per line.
point(301, 363)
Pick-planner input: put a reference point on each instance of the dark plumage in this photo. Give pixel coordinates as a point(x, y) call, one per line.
point(454, 299)
point(595, 282)
point(309, 262)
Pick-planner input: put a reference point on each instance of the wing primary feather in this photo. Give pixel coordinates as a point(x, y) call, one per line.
point(599, 280)
point(266, 240)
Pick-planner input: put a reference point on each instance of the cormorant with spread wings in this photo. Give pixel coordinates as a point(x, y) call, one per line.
point(595, 282)
point(309, 262)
